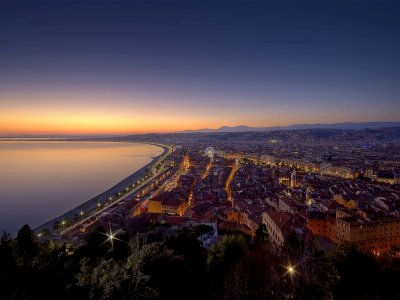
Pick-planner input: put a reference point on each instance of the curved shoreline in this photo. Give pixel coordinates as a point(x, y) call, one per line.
point(104, 196)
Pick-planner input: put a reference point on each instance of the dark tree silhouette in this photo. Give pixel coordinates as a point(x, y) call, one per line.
point(26, 241)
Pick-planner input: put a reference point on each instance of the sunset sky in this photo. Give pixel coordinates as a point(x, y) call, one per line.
point(70, 67)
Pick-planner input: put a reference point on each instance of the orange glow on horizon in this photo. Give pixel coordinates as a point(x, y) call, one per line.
point(47, 117)
point(36, 114)
point(96, 122)
point(87, 124)
point(64, 122)
point(87, 118)
point(81, 125)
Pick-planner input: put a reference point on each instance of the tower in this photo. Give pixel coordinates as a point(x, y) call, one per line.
point(293, 180)
point(308, 197)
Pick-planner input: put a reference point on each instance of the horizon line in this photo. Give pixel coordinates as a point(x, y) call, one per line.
point(71, 135)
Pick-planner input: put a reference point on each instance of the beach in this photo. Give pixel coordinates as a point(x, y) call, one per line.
point(91, 204)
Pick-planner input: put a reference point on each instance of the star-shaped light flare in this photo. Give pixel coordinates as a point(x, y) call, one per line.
point(112, 236)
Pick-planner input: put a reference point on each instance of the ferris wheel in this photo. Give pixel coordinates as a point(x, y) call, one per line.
point(210, 152)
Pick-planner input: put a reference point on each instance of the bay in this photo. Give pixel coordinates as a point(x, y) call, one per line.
point(40, 180)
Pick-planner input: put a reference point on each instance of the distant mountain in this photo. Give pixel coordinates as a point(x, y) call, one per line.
point(241, 128)
point(346, 125)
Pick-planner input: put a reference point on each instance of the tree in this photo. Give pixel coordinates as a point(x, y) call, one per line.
point(253, 277)
point(262, 235)
point(8, 269)
point(358, 273)
point(104, 281)
point(223, 257)
point(187, 265)
point(120, 280)
point(96, 245)
point(293, 244)
point(202, 229)
point(27, 244)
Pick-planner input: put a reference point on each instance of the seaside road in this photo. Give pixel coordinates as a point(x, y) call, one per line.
point(90, 205)
point(156, 192)
point(96, 213)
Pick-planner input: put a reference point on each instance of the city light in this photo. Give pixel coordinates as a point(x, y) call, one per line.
point(290, 270)
point(111, 237)
point(263, 138)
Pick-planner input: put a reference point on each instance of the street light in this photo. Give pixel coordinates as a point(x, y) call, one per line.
point(290, 270)
point(111, 237)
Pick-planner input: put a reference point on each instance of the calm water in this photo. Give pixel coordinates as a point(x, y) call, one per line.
point(41, 180)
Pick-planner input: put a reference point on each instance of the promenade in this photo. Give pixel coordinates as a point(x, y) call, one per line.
point(90, 206)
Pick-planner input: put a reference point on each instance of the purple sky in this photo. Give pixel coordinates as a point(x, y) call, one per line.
point(113, 67)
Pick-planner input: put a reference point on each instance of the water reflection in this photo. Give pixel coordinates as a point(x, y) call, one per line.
point(40, 180)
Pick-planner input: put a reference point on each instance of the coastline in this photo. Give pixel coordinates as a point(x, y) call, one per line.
point(92, 203)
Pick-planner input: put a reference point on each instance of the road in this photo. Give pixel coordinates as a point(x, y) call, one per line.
point(89, 203)
point(106, 208)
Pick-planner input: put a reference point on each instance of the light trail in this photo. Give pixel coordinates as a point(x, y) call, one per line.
point(229, 181)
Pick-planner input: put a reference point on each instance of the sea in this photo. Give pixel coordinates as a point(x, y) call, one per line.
point(40, 180)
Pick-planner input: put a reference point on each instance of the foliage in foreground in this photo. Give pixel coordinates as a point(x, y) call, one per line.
point(174, 265)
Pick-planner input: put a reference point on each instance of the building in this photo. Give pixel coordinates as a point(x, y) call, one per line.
point(284, 180)
point(345, 200)
point(154, 206)
point(173, 206)
point(167, 205)
point(277, 224)
point(321, 224)
point(376, 236)
point(293, 180)
point(386, 176)
point(338, 171)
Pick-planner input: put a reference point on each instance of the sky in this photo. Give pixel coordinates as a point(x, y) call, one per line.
point(112, 67)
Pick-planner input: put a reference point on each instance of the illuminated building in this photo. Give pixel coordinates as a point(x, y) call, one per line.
point(276, 223)
point(284, 180)
point(154, 206)
point(293, 180)
point(321, 224)
point(376, 236)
